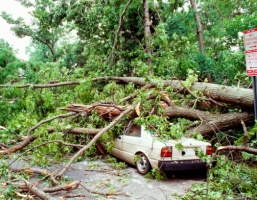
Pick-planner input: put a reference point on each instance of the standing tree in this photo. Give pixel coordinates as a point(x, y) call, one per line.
point(45, 28)
point(199, 26)
point(147, 33)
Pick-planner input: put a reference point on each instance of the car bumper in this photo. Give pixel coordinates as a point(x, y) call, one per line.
point(182, 165)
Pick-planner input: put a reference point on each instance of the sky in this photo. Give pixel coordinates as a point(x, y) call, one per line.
point(16, 10)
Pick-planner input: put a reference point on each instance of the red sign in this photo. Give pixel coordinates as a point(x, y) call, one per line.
point(250, 42)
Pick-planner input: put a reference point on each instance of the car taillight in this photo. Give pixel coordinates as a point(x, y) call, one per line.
point(166, 152)
point(208, 150)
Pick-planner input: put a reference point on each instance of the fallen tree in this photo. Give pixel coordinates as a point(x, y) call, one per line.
point(228, 94)
point(203, 122)
point(208, 123)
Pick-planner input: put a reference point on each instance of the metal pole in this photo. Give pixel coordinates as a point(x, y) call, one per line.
point(255, 99)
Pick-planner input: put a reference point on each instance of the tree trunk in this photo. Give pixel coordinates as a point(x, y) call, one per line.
point(147, 33)
point(209, 123)
point(199, 32)
point(234, 95)
point(118, 32)
point(199, 26)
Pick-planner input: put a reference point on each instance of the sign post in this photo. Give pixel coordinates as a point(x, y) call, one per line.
point(250, 42)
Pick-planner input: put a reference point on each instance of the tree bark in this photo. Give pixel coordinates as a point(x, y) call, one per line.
point(199, 26)
point(38, 192)
point(147, 33)
point(234, 95)
point(77, 130)
point(209, 123)
point(104, 110)
point(18, 146)
point(238, 148)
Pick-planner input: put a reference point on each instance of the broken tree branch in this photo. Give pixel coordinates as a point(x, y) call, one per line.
point(30, 138)
point(48, 85)
point(209, 122)
point(244, 146)
point(51, 119)
point(235, 95)
point(36, 191)
point(70, 186)
point(103, 110)
point(238, 148)
point(18, 146)
point(77, 130)
point(96, 137)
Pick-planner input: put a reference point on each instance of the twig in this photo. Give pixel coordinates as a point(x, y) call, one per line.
point(3, 128)
point(24, 196)
point(34, 170)
point(102, 193)
point(3, 145)
point(52, 178)
point(31, 137)
point(113, 172)
point(244, 146)
point(72, 196)
point(238, 148)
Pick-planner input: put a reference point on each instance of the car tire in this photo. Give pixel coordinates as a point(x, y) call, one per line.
point(143, 164)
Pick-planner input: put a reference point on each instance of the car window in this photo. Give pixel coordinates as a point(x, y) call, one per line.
point(133, 130)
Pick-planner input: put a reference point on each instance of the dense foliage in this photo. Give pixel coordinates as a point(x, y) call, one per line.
point(80, 40)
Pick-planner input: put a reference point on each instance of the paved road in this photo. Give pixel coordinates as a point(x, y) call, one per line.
point(99, 177)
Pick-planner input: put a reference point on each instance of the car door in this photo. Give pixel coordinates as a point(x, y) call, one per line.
point(117, 150)
point(130, 141)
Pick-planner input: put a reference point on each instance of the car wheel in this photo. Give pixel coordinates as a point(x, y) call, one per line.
point(143, 165)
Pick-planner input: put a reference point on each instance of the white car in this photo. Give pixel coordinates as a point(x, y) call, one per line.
point(141, 148)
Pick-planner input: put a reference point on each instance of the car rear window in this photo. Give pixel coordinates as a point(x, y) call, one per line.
point(133, 130)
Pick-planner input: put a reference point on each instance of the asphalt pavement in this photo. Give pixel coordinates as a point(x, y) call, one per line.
point(100, 181)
